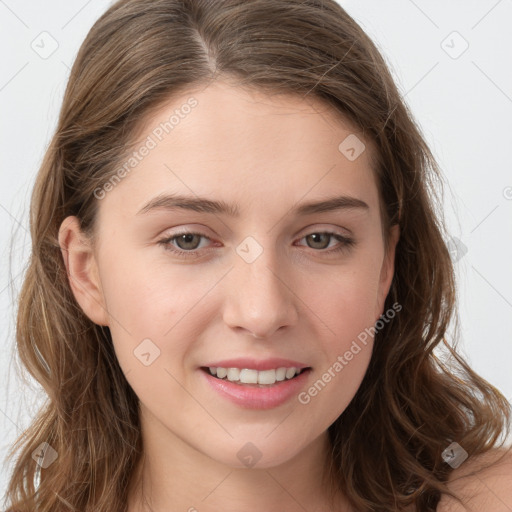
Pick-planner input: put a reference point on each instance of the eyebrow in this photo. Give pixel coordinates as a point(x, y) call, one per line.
point(204, 205)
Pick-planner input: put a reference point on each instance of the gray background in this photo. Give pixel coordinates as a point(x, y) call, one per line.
point(461, 97)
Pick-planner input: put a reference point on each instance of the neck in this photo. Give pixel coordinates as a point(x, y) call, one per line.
point(172, 476)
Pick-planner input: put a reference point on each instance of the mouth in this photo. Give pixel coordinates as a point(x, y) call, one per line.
point(254, 378)
point(256, 390)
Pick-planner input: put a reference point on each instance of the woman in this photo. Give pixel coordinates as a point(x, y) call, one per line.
point(239, 279)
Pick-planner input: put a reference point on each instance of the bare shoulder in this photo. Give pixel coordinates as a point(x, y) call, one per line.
point(482, 482)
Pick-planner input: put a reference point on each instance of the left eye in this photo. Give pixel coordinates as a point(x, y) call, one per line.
point(187, 243)
point(317, 237)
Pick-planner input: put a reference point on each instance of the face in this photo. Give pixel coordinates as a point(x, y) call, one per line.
point(258, 276)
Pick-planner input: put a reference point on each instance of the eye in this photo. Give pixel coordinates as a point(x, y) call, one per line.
point(319, 240)
point(186, 244)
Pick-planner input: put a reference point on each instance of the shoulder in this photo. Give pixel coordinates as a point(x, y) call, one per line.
point(483, 482)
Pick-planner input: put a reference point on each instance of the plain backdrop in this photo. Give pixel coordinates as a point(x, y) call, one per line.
point(452, 60)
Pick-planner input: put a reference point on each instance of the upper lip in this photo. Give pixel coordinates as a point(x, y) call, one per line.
point(254, 364)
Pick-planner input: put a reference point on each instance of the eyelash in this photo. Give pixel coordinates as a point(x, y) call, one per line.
point(346, 243)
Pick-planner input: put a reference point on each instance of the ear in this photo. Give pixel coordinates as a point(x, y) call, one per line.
point(387, 271)
point(82, 270)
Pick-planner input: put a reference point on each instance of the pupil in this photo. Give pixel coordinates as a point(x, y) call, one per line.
point(317, 236)
point(187, 239)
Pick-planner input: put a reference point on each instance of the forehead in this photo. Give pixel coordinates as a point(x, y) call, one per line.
point(243, 145)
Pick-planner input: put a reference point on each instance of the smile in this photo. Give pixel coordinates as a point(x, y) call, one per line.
point(250, 376)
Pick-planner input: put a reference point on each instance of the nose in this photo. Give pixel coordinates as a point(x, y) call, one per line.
point(259, 297)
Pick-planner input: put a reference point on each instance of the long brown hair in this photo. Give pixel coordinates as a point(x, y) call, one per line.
point(387, 445)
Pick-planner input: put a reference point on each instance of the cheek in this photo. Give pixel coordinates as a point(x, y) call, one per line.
point(148, 295)
point(344, 307)
point(345, 301)
point(346, 312)
point(336, 384)
point(165, 304)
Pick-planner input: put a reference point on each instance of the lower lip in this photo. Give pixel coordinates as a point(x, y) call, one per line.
point(251, 397)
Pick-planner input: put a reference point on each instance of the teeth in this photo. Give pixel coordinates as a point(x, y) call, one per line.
point(280, 374)
point(233, 373)
point(247, 376)
point(221, 372)
point(290, 372)
point(268, 376)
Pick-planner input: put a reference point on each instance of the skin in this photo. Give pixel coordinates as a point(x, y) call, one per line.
point(482, 482)
point(294, 301)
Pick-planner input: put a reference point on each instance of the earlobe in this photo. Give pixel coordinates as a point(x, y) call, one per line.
point(82, 270)
point(387, 270)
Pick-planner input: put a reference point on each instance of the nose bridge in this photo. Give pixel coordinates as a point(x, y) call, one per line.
point(259, 298)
